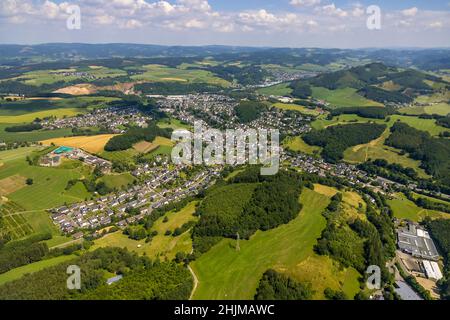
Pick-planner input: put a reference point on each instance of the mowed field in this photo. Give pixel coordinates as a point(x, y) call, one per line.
point(92, 144)
point(296, 107)
point(403, 208)
point(225, 273)
point(161, 245)
point(342, 97)
point(281, 89)
point(297, 144)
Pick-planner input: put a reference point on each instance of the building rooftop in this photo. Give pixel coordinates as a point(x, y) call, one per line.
point(417, 242)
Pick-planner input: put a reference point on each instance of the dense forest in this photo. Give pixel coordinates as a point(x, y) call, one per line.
point(380, 95)
point(276, 286)
point(248, 203)
point(434, 153)
point(336, 139)
point(24, 127)
point(300, 90)
point(364, 112)
point(134, 135)
point(96, 267)
point(247, 111)
point(440, 232)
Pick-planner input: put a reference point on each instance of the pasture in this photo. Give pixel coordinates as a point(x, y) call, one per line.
point(117, 181)
point(284, 248)
point(92, 144)
point(32, 136)
point(298, 145)
point(161, 245)
point(346, 97)
point(281, 89)
point(406, 209)
point(296, 107)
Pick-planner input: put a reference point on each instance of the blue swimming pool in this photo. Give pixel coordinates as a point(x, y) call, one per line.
point(63, 149)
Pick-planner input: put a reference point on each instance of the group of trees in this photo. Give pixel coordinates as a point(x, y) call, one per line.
point(440, 232)
point(300, 89)
point(142, 279)
point(336, 139)
point(277, 286)
point(247, 111)
point(434, 153)
point(22, 252)
point(381, 95)
point(24, 127)
point(391, 171)
point(134, 135)
point(364, 112)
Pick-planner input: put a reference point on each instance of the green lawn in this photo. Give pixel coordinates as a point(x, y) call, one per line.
point(173, 124)
point(17, 273)
point(342, 97)
point(225, 273)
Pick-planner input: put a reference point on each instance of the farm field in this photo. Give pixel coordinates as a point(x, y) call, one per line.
point(297, 144)
point(406, 209)
point(29, 117)
point(160, 73)
point(92, 144)
point(19, 153)
point(161, 245)
point(144, 147)
point(122, 156)
point(342, 97)
point(173, 124)
point(296, 107)
point(17, 273)
point(283, 248)
point(48, 189)
point(281, 89)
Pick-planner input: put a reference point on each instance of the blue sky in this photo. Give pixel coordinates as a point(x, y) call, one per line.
point(278, 23)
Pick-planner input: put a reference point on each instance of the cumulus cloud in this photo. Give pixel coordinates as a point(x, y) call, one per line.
point(411, 12)
point(332, 10)
point(304, 3)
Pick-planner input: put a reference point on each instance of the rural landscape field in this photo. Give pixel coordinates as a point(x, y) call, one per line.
point(297, 161)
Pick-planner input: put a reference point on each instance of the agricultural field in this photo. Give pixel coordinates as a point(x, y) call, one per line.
point(342, 97)
point(173, 124)
point(403, 208)
point(281, 89)
point(49, 184)
point(160, 73)
point(122, 156)
point(144, 147)
point(92, 144)
point(31, 136)
point(298, 145)
point(284, 249)
point(296, 107)
point(161, 245)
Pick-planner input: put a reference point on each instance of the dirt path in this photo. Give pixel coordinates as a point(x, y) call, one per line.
point(195, 282)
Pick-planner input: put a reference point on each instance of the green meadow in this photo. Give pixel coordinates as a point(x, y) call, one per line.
point(346, 97)
point(225, 273)
point(281, 89)
point(403, 208)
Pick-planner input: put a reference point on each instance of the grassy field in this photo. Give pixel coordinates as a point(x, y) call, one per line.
point(173, 124)
point(406, 209)
point(17, 273)
point(296, 107)
point(281, 89)
point(159, 73)
point(225, 273)
point(297, 144)
point(428, 125)
point(123, 156)
point(161, 245)
point(117, 181)
point(342, 97)
point(144, 147)
point(31, 136)
point(48, 188)
point(92, 144)
point(29, 117)
point(376, 149)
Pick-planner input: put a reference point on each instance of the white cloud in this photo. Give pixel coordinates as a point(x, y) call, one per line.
point(436, 25)
point(411, 12)
point(304, 3)
point(332, 10)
